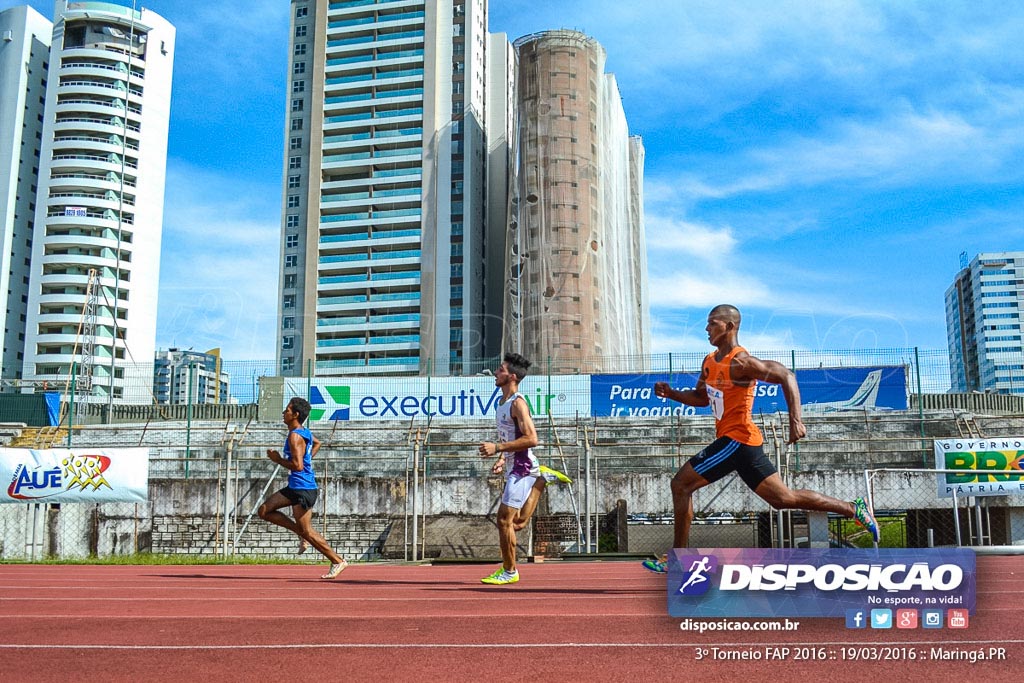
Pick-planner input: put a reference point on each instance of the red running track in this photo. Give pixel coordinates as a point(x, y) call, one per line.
point(599, 621)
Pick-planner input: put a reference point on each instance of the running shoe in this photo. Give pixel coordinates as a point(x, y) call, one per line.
point(552, 476)
point(335, 570)
point(862, 513)
point(497, 572)
point(657, 566)
point(501, 578)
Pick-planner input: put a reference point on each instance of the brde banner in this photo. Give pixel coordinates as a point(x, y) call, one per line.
point(75, 475)
point(1000, 454)
point(764, 582)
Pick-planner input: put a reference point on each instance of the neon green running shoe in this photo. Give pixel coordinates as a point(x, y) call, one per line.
point(497, 572)
point(866, 518)
point(553, 476)
point(657, 566)
point(502, 578)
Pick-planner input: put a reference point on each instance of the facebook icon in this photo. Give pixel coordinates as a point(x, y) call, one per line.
point(856, 618)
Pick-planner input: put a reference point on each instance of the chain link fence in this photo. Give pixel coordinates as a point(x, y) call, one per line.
point(416, 490)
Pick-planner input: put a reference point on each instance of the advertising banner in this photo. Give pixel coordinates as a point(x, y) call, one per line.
point(822, 391)
point(436, 398)
point(75, 475)
point(835, 582)
point(1004, 453)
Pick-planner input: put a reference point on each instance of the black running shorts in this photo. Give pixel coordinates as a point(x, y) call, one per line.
point(304, 497)
point(725, 455)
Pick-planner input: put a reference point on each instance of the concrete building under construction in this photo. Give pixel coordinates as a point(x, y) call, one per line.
point(576, 290)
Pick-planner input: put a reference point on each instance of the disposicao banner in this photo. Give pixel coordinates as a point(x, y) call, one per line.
point(74, 475)
point(834, 582)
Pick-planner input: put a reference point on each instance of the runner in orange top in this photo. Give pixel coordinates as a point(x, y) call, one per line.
point(727, 383)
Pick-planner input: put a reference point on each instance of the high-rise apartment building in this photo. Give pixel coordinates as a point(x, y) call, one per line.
point(577, 275)
point(24, 56)
point(92, 298)
point(386, 190)
point(983, 324)
point(182, 376)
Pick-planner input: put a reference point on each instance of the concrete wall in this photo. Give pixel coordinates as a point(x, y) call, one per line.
point(368, 490)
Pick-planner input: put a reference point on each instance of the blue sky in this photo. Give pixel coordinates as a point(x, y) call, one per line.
point(819, 164)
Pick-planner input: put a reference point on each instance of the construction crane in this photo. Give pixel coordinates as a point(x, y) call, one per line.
point(87, 335)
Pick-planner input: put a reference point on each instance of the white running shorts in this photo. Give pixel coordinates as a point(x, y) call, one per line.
point(517, 490)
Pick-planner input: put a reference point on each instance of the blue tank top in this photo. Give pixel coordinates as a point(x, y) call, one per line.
point(303, 479)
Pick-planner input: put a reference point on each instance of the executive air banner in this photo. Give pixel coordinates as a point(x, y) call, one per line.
point(74, 475)
point(436, 398)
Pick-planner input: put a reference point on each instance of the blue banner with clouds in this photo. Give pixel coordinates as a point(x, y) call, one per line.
point(822, 391)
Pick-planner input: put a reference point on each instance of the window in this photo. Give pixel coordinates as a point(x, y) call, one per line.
point(288, 323)
point(298, 68)
point(298, 86)
point(288, 301)
point(292, 221)
point(296, 124)
point(300, 49)
point(297, 104)
point(301, 12)
point(290, 281)
point(293, 201)
point(300, 31)
point(294, 163)
point(295, 143)
point(287, 342)
point(291, 241)
point(294, 181)
point(291, 261)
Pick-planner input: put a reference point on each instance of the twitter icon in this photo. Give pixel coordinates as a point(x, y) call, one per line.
point(881, 618)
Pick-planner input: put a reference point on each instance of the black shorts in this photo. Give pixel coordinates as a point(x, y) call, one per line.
point(304, 497)
point(725, 455)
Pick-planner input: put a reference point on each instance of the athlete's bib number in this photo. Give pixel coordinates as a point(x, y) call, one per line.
point(716, 400)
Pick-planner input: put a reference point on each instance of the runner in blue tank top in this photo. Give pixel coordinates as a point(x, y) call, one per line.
point(526, 478)
point(301, 491)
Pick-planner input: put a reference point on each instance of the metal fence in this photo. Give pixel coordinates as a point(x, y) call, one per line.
point(928, 371)
point(406, 491)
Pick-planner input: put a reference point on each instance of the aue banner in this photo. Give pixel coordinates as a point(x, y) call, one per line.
point(74, 475)
point(764, 582)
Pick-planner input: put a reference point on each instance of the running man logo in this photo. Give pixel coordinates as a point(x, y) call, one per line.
point(340, 395)
point(85, 471)
point(696, 579)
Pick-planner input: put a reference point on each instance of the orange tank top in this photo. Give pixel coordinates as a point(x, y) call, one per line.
point(731, 404)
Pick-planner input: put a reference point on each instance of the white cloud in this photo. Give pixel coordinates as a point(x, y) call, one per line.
point(219, 269)
point(695, 239)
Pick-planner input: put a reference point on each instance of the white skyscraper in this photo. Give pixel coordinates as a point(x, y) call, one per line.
point(386, 190)
point(983, 324)
point(24, 54)
point(99, 204)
